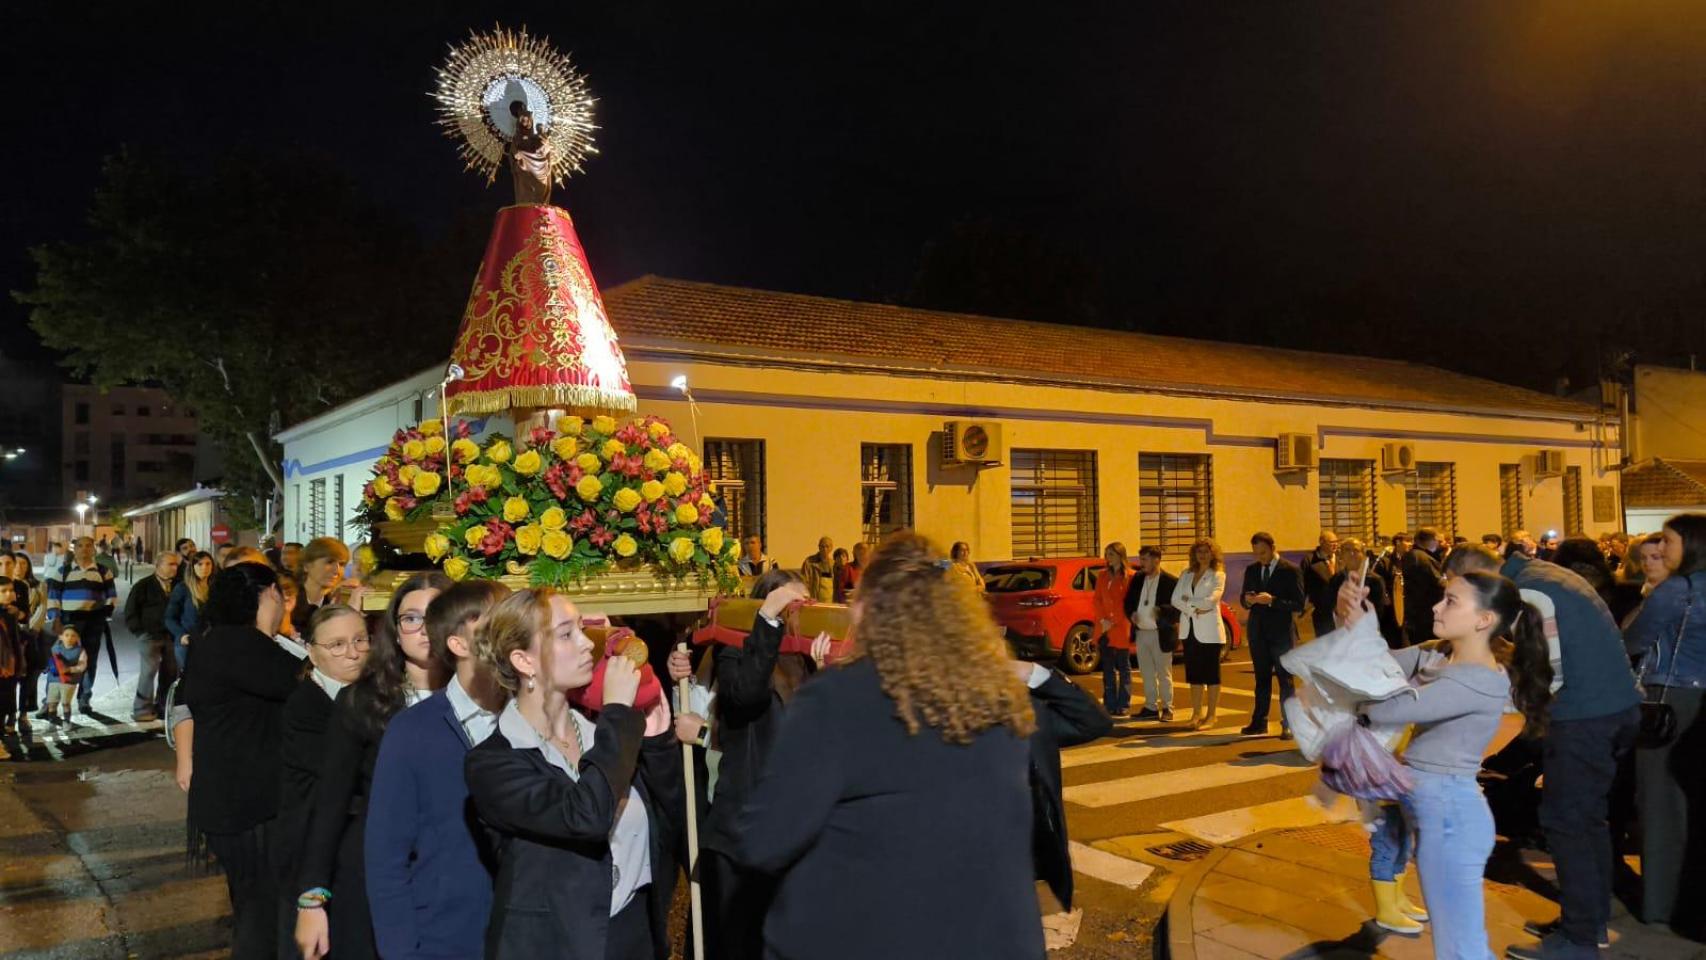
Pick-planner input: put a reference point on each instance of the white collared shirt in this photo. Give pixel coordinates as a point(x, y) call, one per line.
point(327, 682)
point(1146, 603)
point(291, 647)
point(476, 721)
point(630, 837)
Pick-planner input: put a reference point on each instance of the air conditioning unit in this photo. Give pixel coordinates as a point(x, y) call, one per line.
point(1398, 458)
point(971, 443)
point(1294, 451)
point(1549, 463)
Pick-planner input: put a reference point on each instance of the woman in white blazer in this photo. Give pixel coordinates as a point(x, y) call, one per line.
point(1197, 598)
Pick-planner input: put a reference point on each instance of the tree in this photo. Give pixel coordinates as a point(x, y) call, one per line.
point(259, 292)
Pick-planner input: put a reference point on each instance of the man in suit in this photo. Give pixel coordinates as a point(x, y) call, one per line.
point(1424, 587)
point(1317, 574)
point(1273, 593)
point(429, 872)
point(1153, 616)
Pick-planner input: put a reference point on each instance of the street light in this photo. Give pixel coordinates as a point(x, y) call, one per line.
point(679, 382)
point(82, 509)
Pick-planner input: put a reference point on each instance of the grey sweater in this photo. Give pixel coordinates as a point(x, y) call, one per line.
point(1456, 710)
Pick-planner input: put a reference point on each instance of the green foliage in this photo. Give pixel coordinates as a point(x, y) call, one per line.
point(259, 291)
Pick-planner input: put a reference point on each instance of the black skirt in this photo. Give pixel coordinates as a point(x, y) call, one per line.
point(1202, 661)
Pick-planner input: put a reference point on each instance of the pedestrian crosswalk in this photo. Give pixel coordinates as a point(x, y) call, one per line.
point(1215, 784)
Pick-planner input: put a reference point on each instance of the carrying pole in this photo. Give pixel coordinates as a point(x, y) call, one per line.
point(696, 898)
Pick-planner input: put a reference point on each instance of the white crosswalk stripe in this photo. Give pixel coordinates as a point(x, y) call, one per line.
point(1139, 747)
point(1149, 786)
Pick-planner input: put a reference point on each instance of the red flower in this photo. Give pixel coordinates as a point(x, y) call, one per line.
point(464, 429)
point(581, 524)
point(602, 537)
point(479, 494)
point(462, 504)
point(542, 436)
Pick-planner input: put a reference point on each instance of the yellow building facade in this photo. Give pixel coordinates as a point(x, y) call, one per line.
point(827, 418)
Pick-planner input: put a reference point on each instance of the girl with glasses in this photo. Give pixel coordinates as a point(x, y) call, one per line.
point(329, 885)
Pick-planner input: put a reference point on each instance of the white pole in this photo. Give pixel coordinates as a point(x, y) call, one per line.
point(695, 898)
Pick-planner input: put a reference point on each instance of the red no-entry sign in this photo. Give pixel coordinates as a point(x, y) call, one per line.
point(220, 533)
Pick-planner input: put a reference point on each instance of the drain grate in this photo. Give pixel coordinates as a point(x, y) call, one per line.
point(1332, 838)
point(1184, 851)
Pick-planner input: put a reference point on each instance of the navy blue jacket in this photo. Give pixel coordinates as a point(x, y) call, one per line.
point(1597, 678)
point(429, 876)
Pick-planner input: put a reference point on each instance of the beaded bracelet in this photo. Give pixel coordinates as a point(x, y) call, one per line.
point(313, 899)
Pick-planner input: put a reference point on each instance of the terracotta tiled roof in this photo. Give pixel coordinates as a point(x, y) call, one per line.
point(1665, 483)
point(660, 316)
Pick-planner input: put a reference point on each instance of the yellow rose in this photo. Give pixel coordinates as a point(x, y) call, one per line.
point(528, 538)
point(407, 474)
point(658, 429)
point(679, 451)
point(674, 484)
point(681, 549)
point(611, 448)
point(564, 447)
point(656, 460)
point(554, 519)
point(427, 483)
point(570, 426)
point(434, 446)
point(604, 425)
point(651, 490)
point(366, 560)
point(437, 545)
point(589, 462)
point(393, 509)
point(414, 450)
point(382, 487)
point(456, 568)
point(516, 509)
point(625, 546)
point(711, 538)
point(589, 488)
point(693, 463)
point(529, 463)
point(626, 499)
point(473, 535)
point(557, 544)
point(481, 475)
point(499, 451)
point(706, 504)
point(687, 514)
point(431, 428)
point(465, 450)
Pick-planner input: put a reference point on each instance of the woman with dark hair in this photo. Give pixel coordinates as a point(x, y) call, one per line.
point(750, 689)
point(899, 788)
point(1668, 638)
point(1582, 557)
point(1493, 651)
point(583, 809)
point(337, 649)
point(1197, 598)
point(237, 689)
point(330, 883)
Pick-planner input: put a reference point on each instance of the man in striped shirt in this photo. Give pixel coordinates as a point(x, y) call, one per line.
point(82, 595)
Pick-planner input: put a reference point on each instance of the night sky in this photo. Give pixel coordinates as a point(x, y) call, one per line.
point(1484, 185)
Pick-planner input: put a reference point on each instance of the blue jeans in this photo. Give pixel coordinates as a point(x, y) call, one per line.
point(1116, 679)
point(1454, 829)
point(1390, 843)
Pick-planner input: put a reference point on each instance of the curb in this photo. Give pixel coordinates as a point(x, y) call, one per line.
point(1181, 928)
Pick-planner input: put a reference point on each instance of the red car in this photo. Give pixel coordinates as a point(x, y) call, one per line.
point(1047, 607)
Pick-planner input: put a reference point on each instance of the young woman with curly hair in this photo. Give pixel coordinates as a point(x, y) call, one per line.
point(331, 882)
point(584, 809)
point(897, 771)
point(1493, 652)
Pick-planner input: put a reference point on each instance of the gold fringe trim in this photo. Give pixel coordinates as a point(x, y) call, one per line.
point(571, 396)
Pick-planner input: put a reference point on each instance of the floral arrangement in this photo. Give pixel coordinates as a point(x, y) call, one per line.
point(559, 507)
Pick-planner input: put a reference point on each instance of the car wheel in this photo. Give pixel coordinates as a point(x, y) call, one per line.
point(1079, 652)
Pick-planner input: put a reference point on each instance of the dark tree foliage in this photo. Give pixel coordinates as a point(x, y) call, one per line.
point(258, 290)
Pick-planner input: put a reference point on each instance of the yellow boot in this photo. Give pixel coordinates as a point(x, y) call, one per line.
point(1387, 916)
point(1407, 907)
